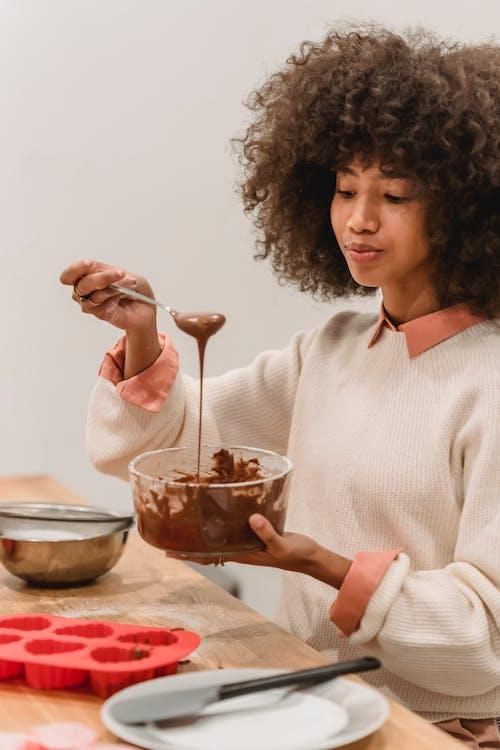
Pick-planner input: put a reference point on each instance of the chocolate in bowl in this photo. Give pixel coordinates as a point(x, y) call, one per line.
point(207, 519)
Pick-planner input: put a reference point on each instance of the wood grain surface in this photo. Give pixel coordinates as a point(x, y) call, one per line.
point(146, 587)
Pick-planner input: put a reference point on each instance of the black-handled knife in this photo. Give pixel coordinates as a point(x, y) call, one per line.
point(190, 701)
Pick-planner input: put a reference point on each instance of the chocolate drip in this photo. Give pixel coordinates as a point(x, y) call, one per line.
point(201, 326)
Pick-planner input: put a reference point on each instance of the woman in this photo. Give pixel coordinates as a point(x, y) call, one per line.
point(372, 163)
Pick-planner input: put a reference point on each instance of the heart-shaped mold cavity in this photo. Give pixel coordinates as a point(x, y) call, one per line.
point(90, 630)
point(150, 637)
point(48, 646)
point(115, 654)
point(8, 638)
point(25, 623)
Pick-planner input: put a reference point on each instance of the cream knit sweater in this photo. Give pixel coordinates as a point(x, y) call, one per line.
point(388, 452)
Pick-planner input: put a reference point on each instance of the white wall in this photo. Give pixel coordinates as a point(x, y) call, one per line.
point(115, 118)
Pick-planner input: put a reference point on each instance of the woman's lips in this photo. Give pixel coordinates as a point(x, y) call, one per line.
point(363, 253)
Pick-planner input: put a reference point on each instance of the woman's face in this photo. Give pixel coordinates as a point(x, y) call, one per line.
point(379, 222)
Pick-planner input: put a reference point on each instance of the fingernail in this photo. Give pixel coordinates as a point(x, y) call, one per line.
point(87, 262)
point(257, 522)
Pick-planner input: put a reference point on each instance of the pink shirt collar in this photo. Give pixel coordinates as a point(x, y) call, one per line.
point(429, 330)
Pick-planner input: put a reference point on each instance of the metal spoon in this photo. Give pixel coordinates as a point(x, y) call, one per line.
point(143, 298)
point(197, 324)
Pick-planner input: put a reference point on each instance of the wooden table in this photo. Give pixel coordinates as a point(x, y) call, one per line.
point(146, 587)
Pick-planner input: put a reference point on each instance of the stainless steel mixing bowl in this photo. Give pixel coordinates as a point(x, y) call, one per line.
point(45, 548)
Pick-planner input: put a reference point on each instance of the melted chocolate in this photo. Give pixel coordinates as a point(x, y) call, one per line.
point(201, 326)
point(206, 520)
point(226, 470)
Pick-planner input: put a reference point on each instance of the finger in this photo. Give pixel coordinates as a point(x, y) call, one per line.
point(267, 534)
point(91, 282)
point(102, 295)
point(90, 307)
point(252, 558)
point(108, 310)
point(80, 268)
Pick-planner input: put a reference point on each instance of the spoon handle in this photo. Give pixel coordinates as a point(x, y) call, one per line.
point(142, 298)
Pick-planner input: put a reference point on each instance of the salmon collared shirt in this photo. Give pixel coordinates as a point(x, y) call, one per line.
point(429, 330)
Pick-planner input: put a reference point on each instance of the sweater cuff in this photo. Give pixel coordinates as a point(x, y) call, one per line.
point(149, 388)
point(359, 585)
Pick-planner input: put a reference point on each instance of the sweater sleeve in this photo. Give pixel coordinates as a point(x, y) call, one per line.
point(442, 627)
point(247, 406)
point(149, 388)
point(362, 580)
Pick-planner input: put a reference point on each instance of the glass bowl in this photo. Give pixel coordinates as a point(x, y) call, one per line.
point(205, 520)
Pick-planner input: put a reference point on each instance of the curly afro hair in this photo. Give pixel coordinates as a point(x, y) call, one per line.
point(420, 106)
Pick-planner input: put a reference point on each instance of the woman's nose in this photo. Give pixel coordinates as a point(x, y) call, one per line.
point(363, 217)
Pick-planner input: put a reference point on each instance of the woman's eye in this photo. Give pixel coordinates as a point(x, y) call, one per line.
point(395, 198)
point(388, 196)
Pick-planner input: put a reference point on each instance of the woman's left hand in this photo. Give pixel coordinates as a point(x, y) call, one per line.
point(287, 551)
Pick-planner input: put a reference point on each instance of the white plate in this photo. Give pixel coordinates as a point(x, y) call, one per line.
point(338, 712)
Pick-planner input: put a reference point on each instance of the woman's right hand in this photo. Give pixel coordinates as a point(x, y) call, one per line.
point(90, 280)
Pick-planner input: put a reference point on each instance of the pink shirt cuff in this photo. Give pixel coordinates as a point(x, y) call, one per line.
point(360, 583)
point(149, 388)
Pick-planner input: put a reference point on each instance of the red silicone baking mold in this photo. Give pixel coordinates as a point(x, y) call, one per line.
point(60, 652)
